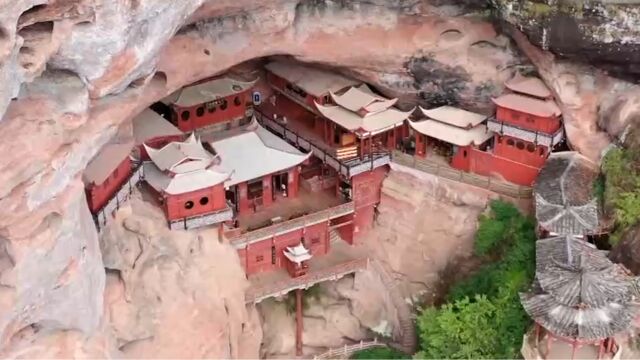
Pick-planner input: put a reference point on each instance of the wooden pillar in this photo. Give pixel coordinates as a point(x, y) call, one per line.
point(548, 345)
point(573, 349)
point(267, 190)
point(298, 322)
point(243, 200)
point(293, 182)
point(537, 334)
point(327, 238)
point(600, 349)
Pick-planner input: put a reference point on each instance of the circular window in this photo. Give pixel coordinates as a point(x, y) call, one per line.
point(237, 101)
point(223, 106)
point(200, 111)
point(204, 200)
point(188, 205)
point(510, 142)
point(185, 115)
point(520, 145)
point(531, 148)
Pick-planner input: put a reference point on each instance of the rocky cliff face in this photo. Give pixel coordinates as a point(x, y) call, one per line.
point(605, 33)
point(74, 72)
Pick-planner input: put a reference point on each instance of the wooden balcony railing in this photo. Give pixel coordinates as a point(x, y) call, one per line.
point(537, 137)
point(257, 293)
point(346, 167)
point(241, 240)
point(447, 172)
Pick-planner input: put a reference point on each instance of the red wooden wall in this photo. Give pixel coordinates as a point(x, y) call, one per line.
point(258, 257)
point(527, 121)
point(175, 205)
point(281, 84)
point(488, 164)
point(215, 115)
point(520, 151)
point(366, 191)
point(99, 195)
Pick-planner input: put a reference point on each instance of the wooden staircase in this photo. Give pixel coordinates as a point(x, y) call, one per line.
point(407, 341)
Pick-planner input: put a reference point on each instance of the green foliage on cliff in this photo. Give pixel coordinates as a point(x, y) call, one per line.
point(379, 353)
point(483, 317)
point(621, 168)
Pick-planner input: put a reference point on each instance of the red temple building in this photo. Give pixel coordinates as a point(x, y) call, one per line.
point(155, 131)
point(219, 103)
point(527, 126)
point(581, 302)
point(263, 168)
point(106, 173)
point(306, 85)
point(363, 120)
point(348, 127)
point(188, 184)
point(458, 136)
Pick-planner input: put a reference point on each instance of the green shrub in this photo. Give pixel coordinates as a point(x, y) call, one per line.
point(379, 353)
point(621, 194)
point(483, 317)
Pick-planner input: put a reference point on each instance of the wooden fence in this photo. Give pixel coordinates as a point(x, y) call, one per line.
point(344, 352)
point(239, 240)
point(447, 172)
point(257, 293)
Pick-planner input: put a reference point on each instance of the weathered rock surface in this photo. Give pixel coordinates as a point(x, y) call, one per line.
point(604, 33)
point(425, 224)
point(347, 310)
point(174, 294)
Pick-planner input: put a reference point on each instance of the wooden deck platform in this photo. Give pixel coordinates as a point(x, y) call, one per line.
point(343, 259)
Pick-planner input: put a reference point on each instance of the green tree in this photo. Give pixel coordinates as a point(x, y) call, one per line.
point(483, 317)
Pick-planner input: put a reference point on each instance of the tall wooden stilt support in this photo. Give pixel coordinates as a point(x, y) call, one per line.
point(299, 322)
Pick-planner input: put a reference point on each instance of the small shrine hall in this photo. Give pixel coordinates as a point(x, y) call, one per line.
point(581, 302)
point(363, 119)
point(187, 182)
point(263, 167)
point(218, 103)
point(528, 126)
point(564, 197)
point(458, 136)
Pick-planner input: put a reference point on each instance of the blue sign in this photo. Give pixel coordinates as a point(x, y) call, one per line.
point(257, 98)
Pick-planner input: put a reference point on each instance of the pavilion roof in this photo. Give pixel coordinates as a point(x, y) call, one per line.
point(208, 91)
point(452, 134)
point(362, 100)
point(255, 153)
point(529, 86)
point(103, 164)
point(454, 116)
point(181, 156)
point(148, 125)
point(372, 123)
point(182, 166)
point(297, 254)
point(578, 292)
point(312, 80)
point(565, 200)
point(528, 105)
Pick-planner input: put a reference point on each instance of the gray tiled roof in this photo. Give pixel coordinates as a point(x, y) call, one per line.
point(578, 292)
